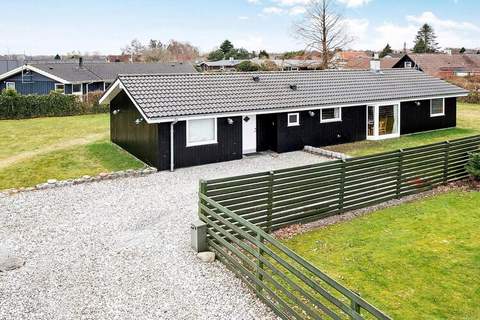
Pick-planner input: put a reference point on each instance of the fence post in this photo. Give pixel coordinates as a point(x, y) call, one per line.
point(259, 262)
point(342, 185)
point(445, 163)
point(270, 202)
point(399, 172)
point(355, 306)
point(202, 189)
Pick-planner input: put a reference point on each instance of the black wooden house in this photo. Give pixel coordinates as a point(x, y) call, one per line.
point(179, 120)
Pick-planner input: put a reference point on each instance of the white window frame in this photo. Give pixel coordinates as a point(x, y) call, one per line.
point(376, 111)
point(407, 65)
point(78, 93)
point(201, 143)
point(442, 114)
point(60, 84)
point(9, 83)
point(293, 123)
point(339, 119)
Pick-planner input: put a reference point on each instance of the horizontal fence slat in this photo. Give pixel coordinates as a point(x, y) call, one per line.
point(237, 209)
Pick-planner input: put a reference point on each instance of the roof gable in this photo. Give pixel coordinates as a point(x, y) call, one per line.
point(91, 72)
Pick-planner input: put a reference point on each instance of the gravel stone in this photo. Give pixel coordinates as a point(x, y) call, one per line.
point(120, 249)
point(206, 256)
point(10, 263)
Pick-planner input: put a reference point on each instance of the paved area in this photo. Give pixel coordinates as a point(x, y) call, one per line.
point(120, 249)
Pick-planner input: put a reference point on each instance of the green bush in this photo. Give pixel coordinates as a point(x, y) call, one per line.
point(473, 166)
point(246, 66)
point(17, 106)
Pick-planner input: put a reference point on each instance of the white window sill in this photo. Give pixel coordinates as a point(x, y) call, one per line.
point(293, 125)
point(437, 115)
point(202, 143)
point(383, 137)
point(330, 120)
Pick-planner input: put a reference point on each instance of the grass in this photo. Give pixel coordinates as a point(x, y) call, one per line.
point(419, 260)
point(35, 150)
point(468, 123)
point(17, 136)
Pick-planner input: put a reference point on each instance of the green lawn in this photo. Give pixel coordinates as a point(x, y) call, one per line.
point(419, 260)
point(468, 123)
point(35, 150)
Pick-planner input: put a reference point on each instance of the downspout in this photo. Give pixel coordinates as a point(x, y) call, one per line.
point(172, 147)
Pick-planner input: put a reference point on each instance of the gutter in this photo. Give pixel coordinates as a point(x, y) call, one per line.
point(172, 147)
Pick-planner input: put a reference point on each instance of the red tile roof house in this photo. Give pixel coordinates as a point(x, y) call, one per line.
point(442, 66)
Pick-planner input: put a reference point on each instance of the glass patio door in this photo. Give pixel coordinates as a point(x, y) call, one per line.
point(383, 121)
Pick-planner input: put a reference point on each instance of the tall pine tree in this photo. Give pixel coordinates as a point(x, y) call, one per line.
point(386, 51)
point(226, 46)
point(425, 41)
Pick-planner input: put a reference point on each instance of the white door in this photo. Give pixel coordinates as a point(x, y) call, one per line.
point(249, 134)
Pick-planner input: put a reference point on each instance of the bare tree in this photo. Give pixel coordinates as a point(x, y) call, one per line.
point(323, 30)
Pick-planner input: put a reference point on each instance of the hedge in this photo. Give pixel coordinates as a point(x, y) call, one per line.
point(17, 106)
point(471, 84)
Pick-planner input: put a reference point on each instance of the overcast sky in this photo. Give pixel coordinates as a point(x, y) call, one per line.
point(50, 27)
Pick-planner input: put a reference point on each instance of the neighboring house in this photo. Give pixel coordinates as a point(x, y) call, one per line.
point(220, 65)
point(364, 63)
point(442, 66)
point(298, 64)
point(9, 64)
point(78, 78)
point(173, 121)
point(120, 58)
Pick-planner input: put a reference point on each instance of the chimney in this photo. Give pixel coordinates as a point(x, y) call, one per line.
point(375, 64)
point(231, 59)
point(80, 62)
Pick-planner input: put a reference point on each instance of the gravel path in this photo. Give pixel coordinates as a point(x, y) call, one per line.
point(120, 249)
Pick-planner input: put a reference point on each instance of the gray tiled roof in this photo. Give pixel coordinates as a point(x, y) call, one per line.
point(109, 71)
point(7, 65)
point(175, 95)
point(223, 63)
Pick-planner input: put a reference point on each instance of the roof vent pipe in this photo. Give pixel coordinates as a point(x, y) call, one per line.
point(80, 62)
point(256, 78)
point(293, 87)
point(375, 64)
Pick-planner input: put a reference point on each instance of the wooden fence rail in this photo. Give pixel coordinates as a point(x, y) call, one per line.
point(279, 198)
point(292, 287)
point(241, 211)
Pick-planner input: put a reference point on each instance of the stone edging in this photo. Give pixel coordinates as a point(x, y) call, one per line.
point(326, 153)
point(53, 183)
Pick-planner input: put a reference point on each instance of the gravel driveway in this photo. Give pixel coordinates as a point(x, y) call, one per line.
point(120, 249)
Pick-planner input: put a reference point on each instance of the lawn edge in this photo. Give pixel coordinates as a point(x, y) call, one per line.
point(53, 183)
point(297, 229)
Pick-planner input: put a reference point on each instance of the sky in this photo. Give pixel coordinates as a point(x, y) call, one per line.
point(49, 27)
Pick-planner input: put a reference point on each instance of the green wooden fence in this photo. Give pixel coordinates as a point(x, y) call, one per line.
point(278, 198)
point(240, 211)
point(291, 286)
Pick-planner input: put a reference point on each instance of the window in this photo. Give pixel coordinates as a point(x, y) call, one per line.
point(437, 107)
point(201, 131)
point(77, 88)
point(10, 85)
point(60, 87)
point(293, 119)
point(330, 115)
point(408, 64)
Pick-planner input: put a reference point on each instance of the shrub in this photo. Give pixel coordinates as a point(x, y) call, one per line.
point(17, 106)
point(247, 66)
point(473, 166)
point(471, 84)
